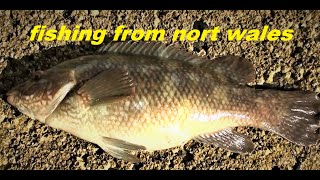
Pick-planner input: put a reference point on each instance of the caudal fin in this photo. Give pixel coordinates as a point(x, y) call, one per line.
point(296, 116)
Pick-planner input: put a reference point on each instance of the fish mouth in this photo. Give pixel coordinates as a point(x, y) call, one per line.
point(11, 96)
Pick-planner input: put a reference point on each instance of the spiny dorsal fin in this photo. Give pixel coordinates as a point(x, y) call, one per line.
point(228, 68)
point(153, 49)
point(228, 139)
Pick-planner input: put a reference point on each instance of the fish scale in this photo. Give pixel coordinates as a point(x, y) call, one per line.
point(151, 117)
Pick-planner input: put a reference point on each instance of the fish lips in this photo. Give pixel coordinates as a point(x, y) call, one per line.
point(12, 96)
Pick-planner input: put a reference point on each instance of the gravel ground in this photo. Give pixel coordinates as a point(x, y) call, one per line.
point(28, 144)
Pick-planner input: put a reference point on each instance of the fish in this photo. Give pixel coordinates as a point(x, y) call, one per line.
point(133, 97)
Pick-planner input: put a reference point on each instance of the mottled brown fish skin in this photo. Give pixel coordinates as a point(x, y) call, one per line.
point(173, 103)
point(131, 102)
point(164, 111)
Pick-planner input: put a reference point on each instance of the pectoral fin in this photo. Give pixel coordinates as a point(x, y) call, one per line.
point(107, 86)
point(123, 144)
point(121, 149)
point(121, 154)
point(228, 139)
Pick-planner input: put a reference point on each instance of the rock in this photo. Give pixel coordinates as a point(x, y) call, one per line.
point(94, 13)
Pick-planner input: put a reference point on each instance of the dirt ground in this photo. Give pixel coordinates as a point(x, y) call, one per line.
point(28, 144)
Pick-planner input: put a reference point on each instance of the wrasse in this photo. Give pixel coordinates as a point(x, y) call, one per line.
point(139, 96)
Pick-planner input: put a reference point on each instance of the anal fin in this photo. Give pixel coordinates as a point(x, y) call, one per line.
point(228, 139)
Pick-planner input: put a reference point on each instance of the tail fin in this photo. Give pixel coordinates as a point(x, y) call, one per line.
point(296, 115)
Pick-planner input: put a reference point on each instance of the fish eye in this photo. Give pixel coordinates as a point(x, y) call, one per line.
point(36, 76)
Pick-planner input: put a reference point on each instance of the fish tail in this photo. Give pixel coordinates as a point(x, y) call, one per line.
point(294, 115)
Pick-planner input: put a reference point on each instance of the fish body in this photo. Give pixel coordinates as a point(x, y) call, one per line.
point(148, 96)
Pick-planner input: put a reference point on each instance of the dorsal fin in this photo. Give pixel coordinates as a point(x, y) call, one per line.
point(228, 68)
point(231, 68)
point(153, 49)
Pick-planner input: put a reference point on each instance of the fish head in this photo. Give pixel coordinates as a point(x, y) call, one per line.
point(39, 96)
